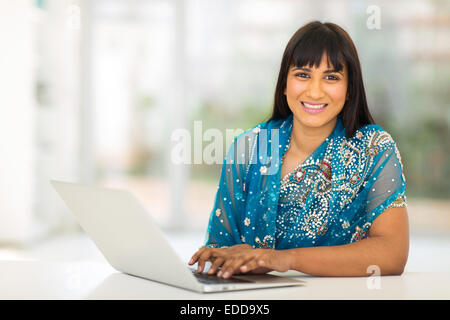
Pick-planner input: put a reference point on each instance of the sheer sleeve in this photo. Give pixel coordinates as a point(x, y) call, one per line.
point(385, 188)
point(387, 183)
point(223, 229)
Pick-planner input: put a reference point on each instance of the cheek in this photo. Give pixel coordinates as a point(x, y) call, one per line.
point(338, 93)
point(294, 88)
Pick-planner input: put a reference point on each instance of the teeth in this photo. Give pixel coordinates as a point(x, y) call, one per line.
point(318, 106)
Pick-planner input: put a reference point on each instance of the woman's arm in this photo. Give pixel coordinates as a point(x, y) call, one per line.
point(386, 247)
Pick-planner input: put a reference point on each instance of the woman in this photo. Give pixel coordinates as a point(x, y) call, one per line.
point(319, 187)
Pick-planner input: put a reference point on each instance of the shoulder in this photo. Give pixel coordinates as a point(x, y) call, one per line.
point(243, 143)
point(368, 145)
point(373, 139)
point(247, 146)
point(261, 129)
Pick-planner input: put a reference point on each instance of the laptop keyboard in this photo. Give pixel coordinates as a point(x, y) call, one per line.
point(213, 279)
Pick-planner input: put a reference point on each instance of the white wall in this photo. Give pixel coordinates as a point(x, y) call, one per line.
point(39, 134)
point(57, 59)
point(16, 121)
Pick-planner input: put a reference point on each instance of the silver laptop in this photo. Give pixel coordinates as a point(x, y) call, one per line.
point(132, 243)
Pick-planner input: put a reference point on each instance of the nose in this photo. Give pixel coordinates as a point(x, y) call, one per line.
point(315, 91)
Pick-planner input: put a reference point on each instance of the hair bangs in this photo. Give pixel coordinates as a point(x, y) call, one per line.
point(313, 45)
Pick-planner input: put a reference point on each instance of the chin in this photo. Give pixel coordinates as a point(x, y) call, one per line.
point(313, 121)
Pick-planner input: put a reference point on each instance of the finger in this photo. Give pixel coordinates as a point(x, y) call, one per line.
point(273, 262)
point(260, 270)
point(267, 261)
point(199, 254)
point(250, 265)
point(196, 255)
point(235, 261)
point(215, 265)
point(262, 260)
point(205, 256)
point(233, 266)
point(225, 265)
point(246, 264)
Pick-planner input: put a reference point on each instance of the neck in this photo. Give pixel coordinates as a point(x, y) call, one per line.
point(305, 140)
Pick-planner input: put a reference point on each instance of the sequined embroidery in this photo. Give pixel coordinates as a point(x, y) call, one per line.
point(331, 198)
point(294, 223)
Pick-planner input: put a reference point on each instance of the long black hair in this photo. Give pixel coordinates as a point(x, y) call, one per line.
point(306, 47)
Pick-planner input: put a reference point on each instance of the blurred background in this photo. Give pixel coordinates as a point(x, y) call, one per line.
point(91, 91)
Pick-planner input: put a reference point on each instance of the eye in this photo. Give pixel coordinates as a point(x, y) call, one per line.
point(333, 77)
point(301, 74)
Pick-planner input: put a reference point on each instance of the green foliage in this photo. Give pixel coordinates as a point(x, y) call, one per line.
point(425, 150)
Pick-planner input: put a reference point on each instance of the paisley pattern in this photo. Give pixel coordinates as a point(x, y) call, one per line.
point(331, 198)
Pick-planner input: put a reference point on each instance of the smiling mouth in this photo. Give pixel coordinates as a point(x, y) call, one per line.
point(313, 106)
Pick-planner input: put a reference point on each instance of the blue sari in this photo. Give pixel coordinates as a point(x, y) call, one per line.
point(332, 198)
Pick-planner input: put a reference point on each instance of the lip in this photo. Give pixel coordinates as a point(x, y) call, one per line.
point(314, 111)
point(313, 103)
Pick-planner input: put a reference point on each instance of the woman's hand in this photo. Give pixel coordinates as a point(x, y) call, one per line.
point(240, 258)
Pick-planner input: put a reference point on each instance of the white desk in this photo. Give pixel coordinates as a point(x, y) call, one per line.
point(95, 280)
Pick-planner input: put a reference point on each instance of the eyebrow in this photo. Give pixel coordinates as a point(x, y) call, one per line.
point(326, 71)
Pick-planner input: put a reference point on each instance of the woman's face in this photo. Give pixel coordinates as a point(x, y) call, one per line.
point(307, 90)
